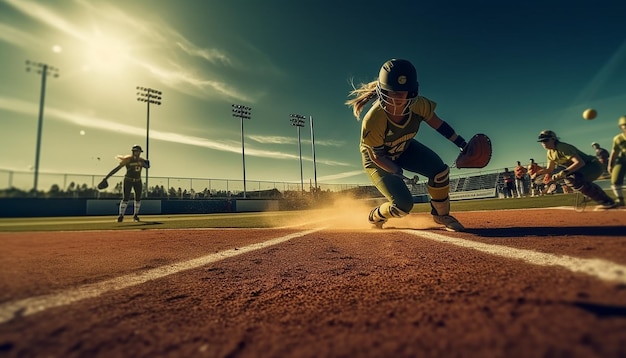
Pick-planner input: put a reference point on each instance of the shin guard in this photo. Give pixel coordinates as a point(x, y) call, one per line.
point(384, 212)
point(440, 207)
point(593, 191)
point(439, 189)
point(123, 205)
point(389, 210)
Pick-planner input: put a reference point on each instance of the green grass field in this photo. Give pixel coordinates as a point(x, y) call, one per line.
point(249, 220)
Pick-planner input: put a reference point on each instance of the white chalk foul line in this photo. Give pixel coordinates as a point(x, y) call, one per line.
point(33, 305)
point(602, 269)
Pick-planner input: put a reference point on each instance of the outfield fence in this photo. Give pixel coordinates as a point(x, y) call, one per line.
point(63, 185)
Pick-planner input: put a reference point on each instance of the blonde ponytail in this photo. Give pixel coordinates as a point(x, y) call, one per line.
point(362, 95)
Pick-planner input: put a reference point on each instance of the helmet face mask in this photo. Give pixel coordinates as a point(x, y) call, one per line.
point(397, 76)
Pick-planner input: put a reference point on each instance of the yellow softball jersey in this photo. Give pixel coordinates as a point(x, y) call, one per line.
point(564, 152)
point(133, 166)
point(382, 136)
point(619, 146)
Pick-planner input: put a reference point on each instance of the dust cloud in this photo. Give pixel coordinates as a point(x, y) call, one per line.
point(349, 213)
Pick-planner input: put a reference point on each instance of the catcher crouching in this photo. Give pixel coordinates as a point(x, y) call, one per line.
point(388, 146)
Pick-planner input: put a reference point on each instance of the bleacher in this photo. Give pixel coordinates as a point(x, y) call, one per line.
point(461, 184)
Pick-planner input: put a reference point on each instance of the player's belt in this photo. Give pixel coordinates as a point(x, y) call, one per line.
point(134, 180)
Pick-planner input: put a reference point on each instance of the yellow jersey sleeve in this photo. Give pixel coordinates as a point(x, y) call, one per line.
point(424, 108)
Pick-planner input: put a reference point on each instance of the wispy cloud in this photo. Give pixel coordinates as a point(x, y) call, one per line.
point(44, 15)
point(17, 37)
point(181, 79)
point(211, 55)
point(173, 67)
point(293, 140)
point(87, 121)
point(273, 139)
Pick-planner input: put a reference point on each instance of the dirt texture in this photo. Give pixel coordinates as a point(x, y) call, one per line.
point(332, 292)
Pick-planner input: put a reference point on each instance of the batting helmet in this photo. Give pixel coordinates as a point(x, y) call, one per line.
point(136, 148)
point(546, 135)
point(397, 75)
point(594, 144)
point(622, 121)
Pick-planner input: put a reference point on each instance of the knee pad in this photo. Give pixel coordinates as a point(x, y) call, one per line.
point(440, 179)
point(439, 185)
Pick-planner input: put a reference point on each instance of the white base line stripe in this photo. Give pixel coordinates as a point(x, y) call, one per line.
point(33, 305)
point(602, 269)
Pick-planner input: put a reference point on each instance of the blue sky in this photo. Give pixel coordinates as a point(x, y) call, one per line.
point(507, 69)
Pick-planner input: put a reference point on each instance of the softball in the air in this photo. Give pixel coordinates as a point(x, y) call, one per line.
point(590, 114)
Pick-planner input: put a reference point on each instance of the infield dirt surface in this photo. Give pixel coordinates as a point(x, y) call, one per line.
point(518, 283)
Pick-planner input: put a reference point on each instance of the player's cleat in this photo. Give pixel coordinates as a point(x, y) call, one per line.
point(376, 222)
point(136, 219)
point(120, 218)
point(450, 222)
point(606, 205)
point(619, 202)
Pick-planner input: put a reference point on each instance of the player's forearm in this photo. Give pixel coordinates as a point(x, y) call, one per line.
point(112, 172)
point(575, 165)
point(448, 132)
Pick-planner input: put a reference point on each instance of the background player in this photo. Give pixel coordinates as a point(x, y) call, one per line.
point(617, 162)
point(520, 179)
point(580, 169)
point(603, 157)
point(536, 181)
point(132, 180)
point(388, 145)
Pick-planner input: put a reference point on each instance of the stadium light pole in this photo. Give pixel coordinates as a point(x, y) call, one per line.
point(242, 112)
point(150, 96)
point(298, 121)
point(44, 70)
point(313, 149)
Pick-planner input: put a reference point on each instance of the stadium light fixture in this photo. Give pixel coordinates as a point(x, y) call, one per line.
point(298, 120)
point(149, 96)
point(313, 149)
point(242, 112)
point(44, 70)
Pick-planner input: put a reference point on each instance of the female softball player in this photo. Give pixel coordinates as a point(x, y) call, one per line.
point(617, 162)
point(580, 169)
point(388, 146)
point(132, 180)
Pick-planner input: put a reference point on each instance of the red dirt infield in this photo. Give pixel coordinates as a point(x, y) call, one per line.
point(518, 283)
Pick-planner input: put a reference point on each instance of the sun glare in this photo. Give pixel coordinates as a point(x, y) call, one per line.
point(106, 54)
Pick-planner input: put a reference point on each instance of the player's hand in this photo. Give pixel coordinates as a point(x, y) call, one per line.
point(559, 176)
point(146, 163)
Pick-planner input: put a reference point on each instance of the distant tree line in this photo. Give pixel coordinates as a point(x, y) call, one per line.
point(85, 191)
